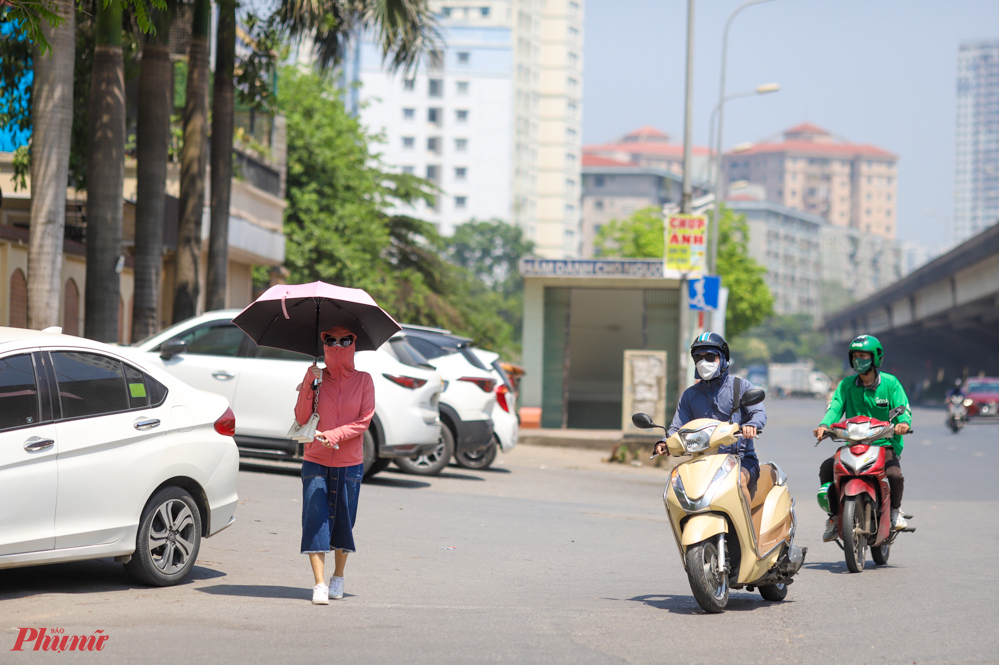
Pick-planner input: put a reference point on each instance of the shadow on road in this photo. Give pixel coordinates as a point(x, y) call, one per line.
point(835, 567)
point(742, 602)
point(288, 470)
point(258, 591)
point(95, 576)
point(393, 481)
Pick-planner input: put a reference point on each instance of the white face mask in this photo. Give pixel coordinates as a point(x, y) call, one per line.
point(707, 370)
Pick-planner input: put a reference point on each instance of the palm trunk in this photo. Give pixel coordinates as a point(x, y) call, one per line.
point(152, 140)
point(52, 123)
point(193, 164)
point(106, 175)
point(222, 122)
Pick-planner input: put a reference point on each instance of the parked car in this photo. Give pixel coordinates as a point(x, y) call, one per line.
point(211, 353)
point(506, 424)
point(102, 455)
point(984, 395)
point(467, 402)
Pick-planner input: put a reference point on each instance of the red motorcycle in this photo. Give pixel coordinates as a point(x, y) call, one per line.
point(861, 484)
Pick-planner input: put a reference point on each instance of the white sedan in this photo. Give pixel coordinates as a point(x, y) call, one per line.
point(102, 456)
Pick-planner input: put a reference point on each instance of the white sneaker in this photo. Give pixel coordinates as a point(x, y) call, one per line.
point(320, 594)
point(336, 588)
point(897, 520)
point(830, 533)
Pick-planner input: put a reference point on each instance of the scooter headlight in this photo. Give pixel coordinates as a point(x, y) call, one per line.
point(697, 440)
point(858, 431)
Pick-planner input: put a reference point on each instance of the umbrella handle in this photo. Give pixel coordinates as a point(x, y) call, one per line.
point(284, 306)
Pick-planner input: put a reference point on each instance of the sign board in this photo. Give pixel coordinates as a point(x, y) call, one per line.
point(644, 389)
point(632, 268)
point(685, 240)
point(703, 293)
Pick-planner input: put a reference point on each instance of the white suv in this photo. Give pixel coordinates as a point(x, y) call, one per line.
point(466, 403)
point(211, 353)
point(102, 456)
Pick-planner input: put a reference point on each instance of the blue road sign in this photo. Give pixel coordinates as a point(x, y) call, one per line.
point(703, 293)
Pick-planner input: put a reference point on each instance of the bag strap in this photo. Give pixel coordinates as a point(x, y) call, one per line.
point(316, 383)
point(736, 397)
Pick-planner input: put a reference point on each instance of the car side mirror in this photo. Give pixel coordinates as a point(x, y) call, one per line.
point(642, 421)
point(172, 348)
point(752, 397)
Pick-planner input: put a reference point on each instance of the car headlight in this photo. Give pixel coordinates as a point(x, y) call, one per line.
point(697, 440)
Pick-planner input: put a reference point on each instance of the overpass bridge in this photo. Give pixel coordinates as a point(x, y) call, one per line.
point(939, 323)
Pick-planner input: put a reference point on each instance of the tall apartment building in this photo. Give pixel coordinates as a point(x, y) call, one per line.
point(976, 167)
point(847, 184)
point(651, 147)
point(493, 119)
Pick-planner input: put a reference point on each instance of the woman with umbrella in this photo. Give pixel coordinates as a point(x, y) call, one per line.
point(291, 317)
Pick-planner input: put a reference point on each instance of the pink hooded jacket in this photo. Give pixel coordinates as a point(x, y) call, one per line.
point(346, 406)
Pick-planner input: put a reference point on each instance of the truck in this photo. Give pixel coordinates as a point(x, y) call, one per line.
point(797, 379)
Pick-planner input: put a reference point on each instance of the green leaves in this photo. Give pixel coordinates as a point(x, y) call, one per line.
point(639, 236)
point(34, 12)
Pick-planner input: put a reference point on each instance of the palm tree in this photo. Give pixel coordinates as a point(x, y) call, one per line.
point(52, 122)
point(193, 164)
point(222, 127)
point(106, 168)
point(152, 142)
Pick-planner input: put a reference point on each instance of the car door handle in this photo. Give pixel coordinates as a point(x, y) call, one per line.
point(38, 443)
point(222, 375)
point(147, 424)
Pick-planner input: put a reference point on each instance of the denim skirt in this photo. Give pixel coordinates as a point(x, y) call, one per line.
point(329, 506)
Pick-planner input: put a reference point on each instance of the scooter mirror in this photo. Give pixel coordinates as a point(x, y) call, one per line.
point(753, 396)
point(642, 421)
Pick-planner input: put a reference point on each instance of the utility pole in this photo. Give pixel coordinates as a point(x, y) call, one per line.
point(688, 119)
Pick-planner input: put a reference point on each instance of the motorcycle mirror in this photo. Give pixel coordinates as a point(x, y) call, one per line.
point(642, 421)
point(753, 396)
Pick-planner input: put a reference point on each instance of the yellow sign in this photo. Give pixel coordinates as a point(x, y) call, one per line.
point(685, 239)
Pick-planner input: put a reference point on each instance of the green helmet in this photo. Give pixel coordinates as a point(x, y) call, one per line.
point(870, 344)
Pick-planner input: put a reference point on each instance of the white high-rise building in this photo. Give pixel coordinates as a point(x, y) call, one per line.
point(976, 176)
point(493, 119)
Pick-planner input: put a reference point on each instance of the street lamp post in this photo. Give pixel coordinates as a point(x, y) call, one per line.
point(763, 89)
point(721, 113)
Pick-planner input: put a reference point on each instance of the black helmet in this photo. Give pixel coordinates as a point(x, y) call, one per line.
point(710, 340)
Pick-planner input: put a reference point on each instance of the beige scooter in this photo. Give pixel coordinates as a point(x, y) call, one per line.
point(725, 543)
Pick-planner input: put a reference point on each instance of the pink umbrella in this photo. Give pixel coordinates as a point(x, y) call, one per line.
point(291, 316)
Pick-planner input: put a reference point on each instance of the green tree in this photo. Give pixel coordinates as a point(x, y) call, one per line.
point(749, 299)
point(638, 236)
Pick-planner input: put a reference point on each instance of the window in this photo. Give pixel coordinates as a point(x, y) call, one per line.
point(573, 58)
point(436, 59)
point(436, 88)
point(570, 134)
point(18, 392)
point(484, 11)
point(571, 106)
point(433, 173)
point(435, 116)
point(460, 202)
point(145, 391)
point(222, 340)
point(460, 172)
point(408, 142)
point(434, 144)
point(90, 384)
point(598, 181)
point(461, 145)
point(463, 57)
point(446, 12)
point(409, 84)
point(598, 205)
point(408, 114)
point(461, 116)
point(408, 170)
point(462, 87)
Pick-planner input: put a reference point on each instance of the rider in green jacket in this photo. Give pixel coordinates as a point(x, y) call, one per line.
point(872, 393)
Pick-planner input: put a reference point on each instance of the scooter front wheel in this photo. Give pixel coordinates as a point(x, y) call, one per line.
point(707, 581)
point(854, 542)
point(774, 592)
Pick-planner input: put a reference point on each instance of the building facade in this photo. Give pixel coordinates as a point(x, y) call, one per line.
point(976, 164)
point(613, 190)
point(847, 184)
point(648, 146)
point(855, 265)
point(787, 243)
point(493, 119)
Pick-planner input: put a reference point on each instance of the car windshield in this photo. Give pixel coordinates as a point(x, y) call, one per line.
point(983, 386)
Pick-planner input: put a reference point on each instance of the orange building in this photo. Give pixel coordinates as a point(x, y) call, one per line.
point(848, 184)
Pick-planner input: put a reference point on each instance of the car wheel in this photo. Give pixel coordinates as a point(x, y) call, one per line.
point(368, 453)
point(432, 463)
point(169, 539)
point(480, 459)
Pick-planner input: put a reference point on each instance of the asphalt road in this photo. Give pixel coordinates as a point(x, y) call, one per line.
point(557, 558)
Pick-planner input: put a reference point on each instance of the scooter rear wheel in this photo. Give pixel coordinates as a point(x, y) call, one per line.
point(854, 542)
point(880, 553)
point(709, 584)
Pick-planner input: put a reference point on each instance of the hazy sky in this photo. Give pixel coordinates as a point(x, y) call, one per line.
point(873, 71)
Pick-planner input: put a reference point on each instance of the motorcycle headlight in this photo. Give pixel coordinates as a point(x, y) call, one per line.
point(858, 431)
point(697, 440)
point(968, 402)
